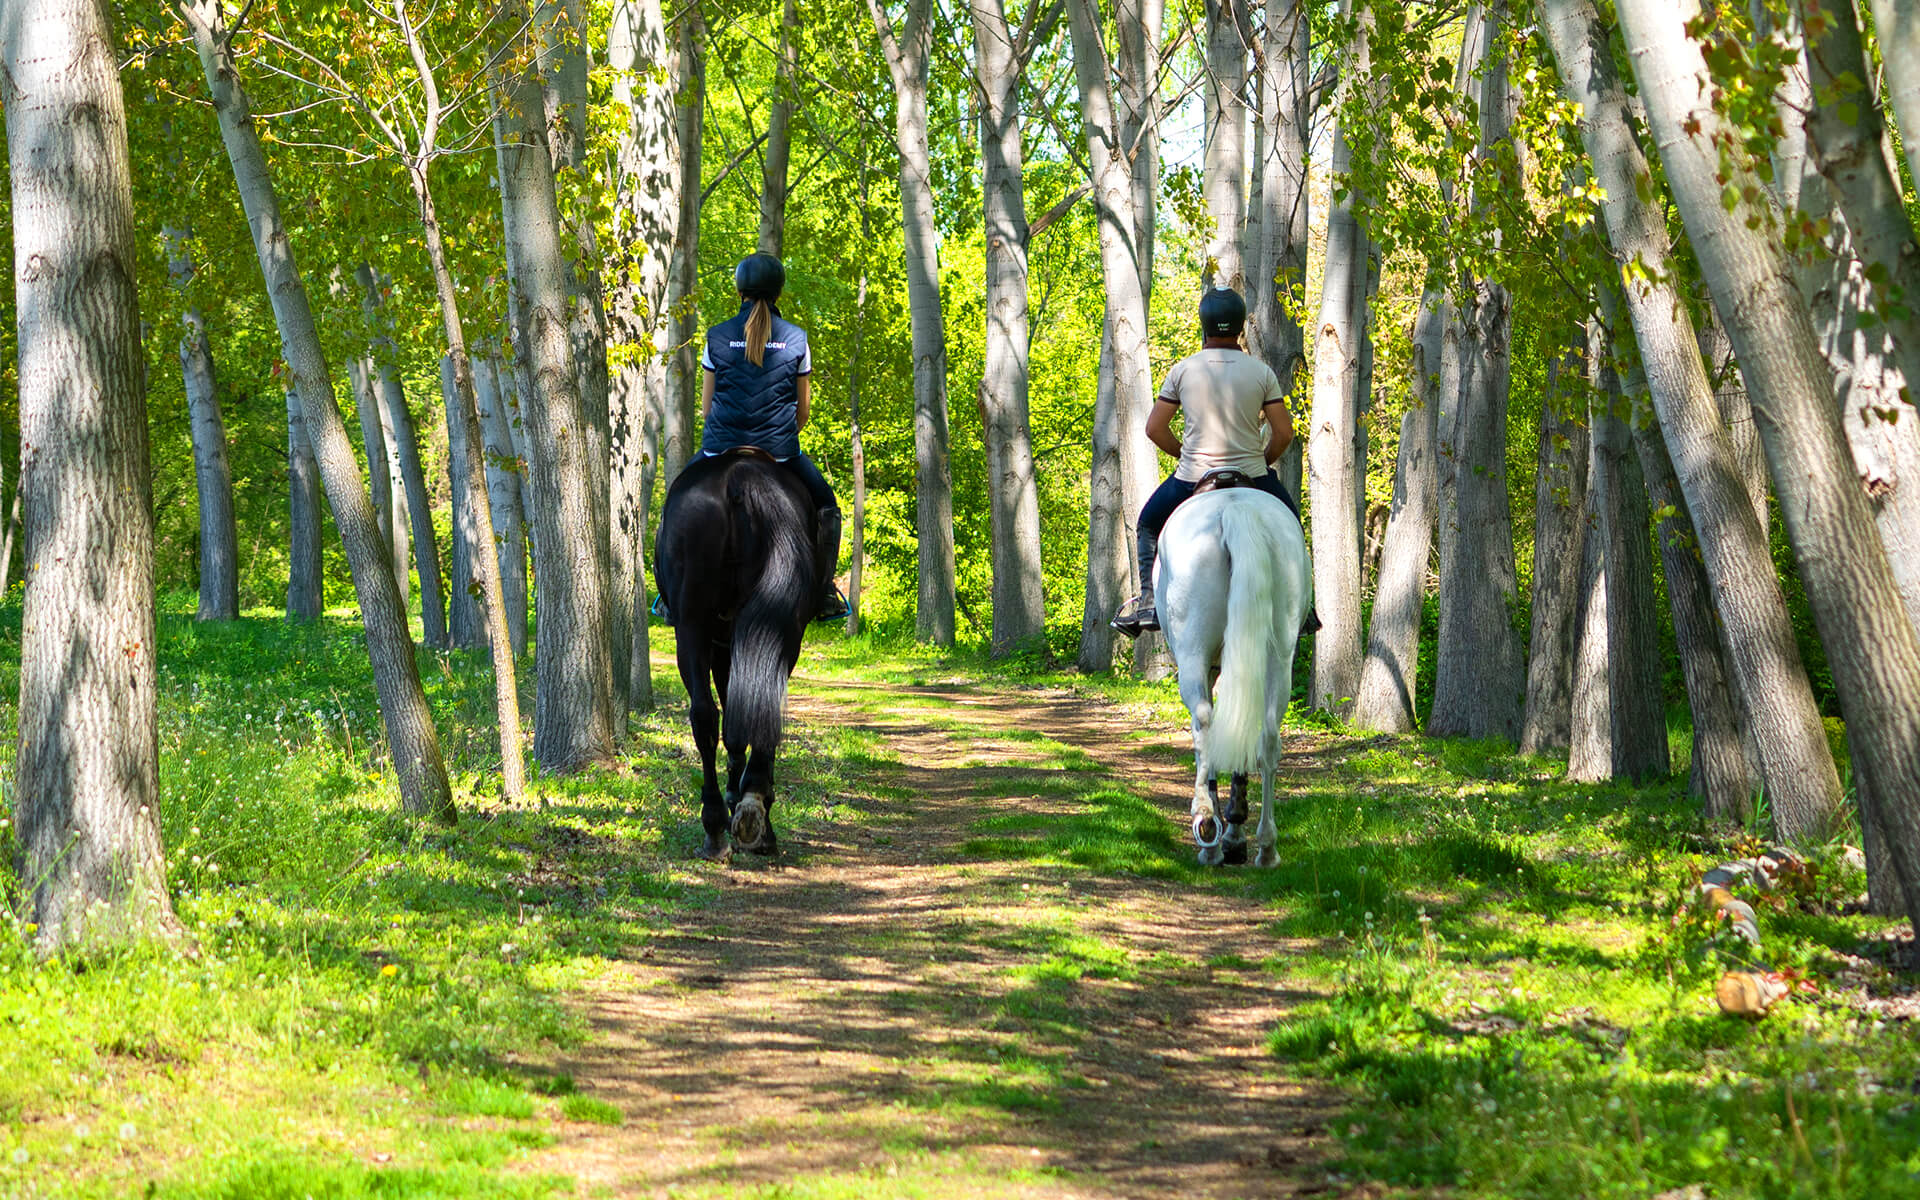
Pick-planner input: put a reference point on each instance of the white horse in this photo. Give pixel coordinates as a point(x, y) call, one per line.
point(1232, 588)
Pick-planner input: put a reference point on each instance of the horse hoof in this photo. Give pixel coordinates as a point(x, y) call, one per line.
point(750, 824)
point(1211, 856)
point(1234, 852)
point(1266, 856)
point(715, 848)
point(1206, 832)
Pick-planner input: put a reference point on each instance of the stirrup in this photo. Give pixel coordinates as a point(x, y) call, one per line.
point(834, 607)
point(1142, 618)
point(1312, 622)
point(659, 609)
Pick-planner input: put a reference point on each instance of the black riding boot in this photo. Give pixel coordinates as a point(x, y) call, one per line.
point(1138, 617)
point(826, 556)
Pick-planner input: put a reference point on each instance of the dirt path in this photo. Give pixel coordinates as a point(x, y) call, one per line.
point(887, 1003)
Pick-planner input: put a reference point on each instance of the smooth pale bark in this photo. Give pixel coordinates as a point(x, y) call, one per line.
point(857, 535)
point(466, 619)
point(1770, 687)
point(1334, 475)
point(1872, 649)
point(1559, 543)
point(645, 230)
point(7, 536)
point(1618, 726)
point(411, 737)
point(86, 780)
point(909, 57)
point(404, 450)
point(575, 716)
point(680, 433)
point(401, 529)
point(1277, 269)
point(503, 498)
point(779, 148)
point(213, 478)
point(219, 542)
point(1479, 676)
point(1387, 679)
point(1013, 498)
point(1225, 90)
point(1123, 463)
point(305, 590)
point(1896, 27)
point(373, 440)
point(1138, 25)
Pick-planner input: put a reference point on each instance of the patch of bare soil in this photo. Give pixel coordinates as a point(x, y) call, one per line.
point(867, 1003)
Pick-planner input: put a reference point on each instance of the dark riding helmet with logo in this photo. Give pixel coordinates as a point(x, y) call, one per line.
point(760, 277)
point(1222, 312)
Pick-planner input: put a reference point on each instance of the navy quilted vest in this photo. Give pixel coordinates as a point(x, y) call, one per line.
point(755, 406)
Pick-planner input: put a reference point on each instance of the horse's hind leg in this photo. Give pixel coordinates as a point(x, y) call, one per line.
point(704, 715)
point(1235, 845)
point(1206, 820)
point(753, 809)
point(1279, 686)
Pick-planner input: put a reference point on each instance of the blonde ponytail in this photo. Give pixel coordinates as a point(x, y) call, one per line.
point(759, 329)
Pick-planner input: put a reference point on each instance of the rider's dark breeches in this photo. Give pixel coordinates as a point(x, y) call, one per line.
point(1169, 496)
point(817, 485)
point(1175, 491)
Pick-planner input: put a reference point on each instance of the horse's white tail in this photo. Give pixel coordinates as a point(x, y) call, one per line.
point(1238, 731)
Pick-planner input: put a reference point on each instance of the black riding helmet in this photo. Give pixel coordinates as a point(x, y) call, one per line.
point(1222, 312)
point(760, 277)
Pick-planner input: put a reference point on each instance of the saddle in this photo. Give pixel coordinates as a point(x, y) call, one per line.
point(747, 452)
point(1222, 479)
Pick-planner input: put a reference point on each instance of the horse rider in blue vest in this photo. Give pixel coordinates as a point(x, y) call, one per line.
point(755, 393)
point(1236, 420)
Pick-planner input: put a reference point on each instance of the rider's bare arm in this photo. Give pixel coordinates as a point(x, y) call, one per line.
point(1160, 427)
point(1281, 422)
point(802, 394)
point(706, 393)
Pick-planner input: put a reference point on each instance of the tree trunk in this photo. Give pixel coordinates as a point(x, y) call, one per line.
point(1123, 465)
point(1137, 27)
point(503, 499)
point(404, 447)
point(1277, 271)
point(773, 162)
point(1872, 649)
point(1730, 394)
point(373, 439)
point(219, 541)
point(411, 737)
point(1334, 476)
point(575, 716)
point(466, 619)
point(1619, 728)
point(86, 779)
point(1896, 27)
point(908, 60)
point(1721, 774)
point(680, 434)
point(1559, 526)
point(1769, 684)
point(1013, 498)
point(305, 590)
point(1225, 90)
point(1387, 679)
point(646, 231)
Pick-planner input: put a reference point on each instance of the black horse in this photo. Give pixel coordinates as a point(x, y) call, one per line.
point(736, 562)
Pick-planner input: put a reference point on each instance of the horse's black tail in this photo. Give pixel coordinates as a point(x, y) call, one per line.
point(768, 629)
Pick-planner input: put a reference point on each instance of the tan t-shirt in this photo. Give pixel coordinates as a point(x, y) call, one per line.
point(1222, 393)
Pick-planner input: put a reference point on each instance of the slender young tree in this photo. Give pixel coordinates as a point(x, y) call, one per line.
point(680, 434)
point(1225, 90)
point(305, 593)
point(1896, 27)
point(411, 737)
point(1770, 686)
point(1872, 648)
point(779, 147)
point(213, 477)
point(86, 780)
point(503, 496)
point(1013, 497)
point(909, 54)
point(1277, 268)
